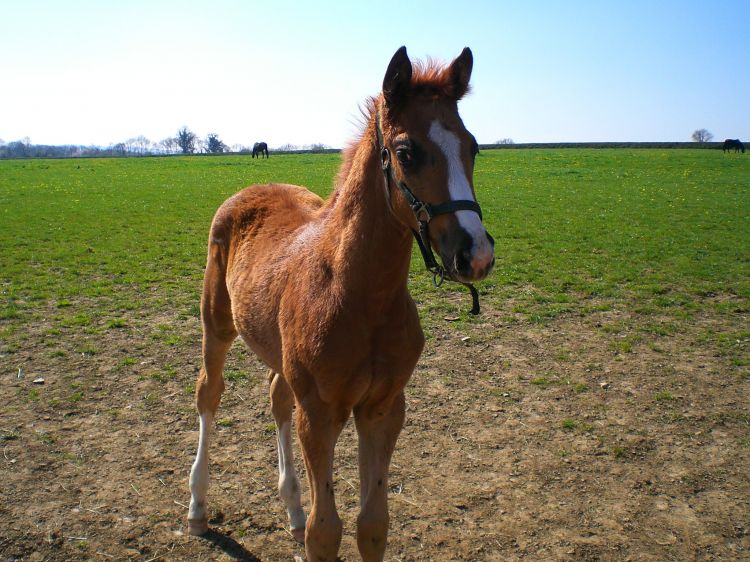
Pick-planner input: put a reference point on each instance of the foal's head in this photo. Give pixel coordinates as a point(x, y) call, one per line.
point(432, 154)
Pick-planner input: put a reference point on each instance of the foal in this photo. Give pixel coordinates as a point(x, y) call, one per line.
point(317, 289)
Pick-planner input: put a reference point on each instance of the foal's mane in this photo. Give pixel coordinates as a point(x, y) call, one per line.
point(430, 79)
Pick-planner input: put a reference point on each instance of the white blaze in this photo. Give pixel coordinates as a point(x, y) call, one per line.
point(458, 186)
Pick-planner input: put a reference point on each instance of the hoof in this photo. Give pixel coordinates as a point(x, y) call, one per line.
point(197, 527)
point(299, 535)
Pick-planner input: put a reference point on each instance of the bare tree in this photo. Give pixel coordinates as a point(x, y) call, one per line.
point(505, 141)
point(137, 145)
point(142, 144)
point(702, 135)
point(317, 147)
point(186, 140)
point(169, 145)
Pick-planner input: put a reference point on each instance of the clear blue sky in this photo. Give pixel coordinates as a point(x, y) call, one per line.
point(99, 72)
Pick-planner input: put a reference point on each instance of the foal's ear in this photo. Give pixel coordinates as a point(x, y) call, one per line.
point(460, 74)
point(397, 78)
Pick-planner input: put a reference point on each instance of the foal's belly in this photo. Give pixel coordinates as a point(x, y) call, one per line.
point(257, 325)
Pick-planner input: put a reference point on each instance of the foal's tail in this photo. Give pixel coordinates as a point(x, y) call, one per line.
point(216, 304)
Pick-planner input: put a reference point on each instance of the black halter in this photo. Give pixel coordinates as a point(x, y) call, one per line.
point(424, 212)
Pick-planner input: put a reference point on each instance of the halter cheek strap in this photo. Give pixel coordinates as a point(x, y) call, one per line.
point(424, 212)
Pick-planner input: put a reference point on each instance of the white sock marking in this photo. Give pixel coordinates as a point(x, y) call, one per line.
point(289, 488)
point(199, 472)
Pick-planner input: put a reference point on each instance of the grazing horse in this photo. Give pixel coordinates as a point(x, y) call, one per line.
point(318, 290)
point(735, 144)
point(259, 149)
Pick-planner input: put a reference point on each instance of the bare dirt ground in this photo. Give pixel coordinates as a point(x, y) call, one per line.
point(525, 441)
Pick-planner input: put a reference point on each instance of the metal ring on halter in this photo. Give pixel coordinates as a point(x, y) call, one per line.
point(438, 276)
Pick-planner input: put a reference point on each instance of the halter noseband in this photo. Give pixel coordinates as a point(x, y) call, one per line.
point(424, 212)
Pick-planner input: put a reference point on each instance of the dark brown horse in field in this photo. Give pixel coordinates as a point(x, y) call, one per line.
point(259, 149)
point(318, 290)
point(735, 144)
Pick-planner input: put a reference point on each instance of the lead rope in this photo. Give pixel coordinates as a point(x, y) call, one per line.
point(424, 212)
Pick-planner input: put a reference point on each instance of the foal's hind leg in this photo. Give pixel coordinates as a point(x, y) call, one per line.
point(208, 391)
point(282, 401)
point(218, 335)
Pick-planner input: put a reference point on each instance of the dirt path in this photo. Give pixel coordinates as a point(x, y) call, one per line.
point(525, 441)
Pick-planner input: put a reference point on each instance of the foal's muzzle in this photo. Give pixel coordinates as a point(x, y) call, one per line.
point(467, 258)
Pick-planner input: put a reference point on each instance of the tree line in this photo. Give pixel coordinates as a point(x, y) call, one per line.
point(184, 142)
point(187, 142)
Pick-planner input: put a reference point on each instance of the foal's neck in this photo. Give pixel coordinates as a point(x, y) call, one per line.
point(373, 248)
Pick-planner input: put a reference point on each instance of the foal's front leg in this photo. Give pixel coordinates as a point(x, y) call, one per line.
point(378, 426)
point(282, 401)
point(319, 425)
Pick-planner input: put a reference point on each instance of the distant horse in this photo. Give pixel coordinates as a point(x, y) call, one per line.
point(259, 149)
point(735, 144)
point(318, 290)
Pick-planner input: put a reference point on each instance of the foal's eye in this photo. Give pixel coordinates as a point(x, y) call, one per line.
point(404, 155)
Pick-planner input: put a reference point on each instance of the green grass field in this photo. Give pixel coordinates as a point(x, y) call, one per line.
point(597, 408)
point(656, 229)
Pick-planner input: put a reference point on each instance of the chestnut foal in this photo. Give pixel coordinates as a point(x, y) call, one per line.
point(317, 289)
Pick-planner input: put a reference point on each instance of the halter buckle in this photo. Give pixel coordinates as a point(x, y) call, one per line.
point(422, 211)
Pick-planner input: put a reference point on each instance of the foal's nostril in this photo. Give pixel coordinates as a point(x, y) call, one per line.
point(463, 261)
